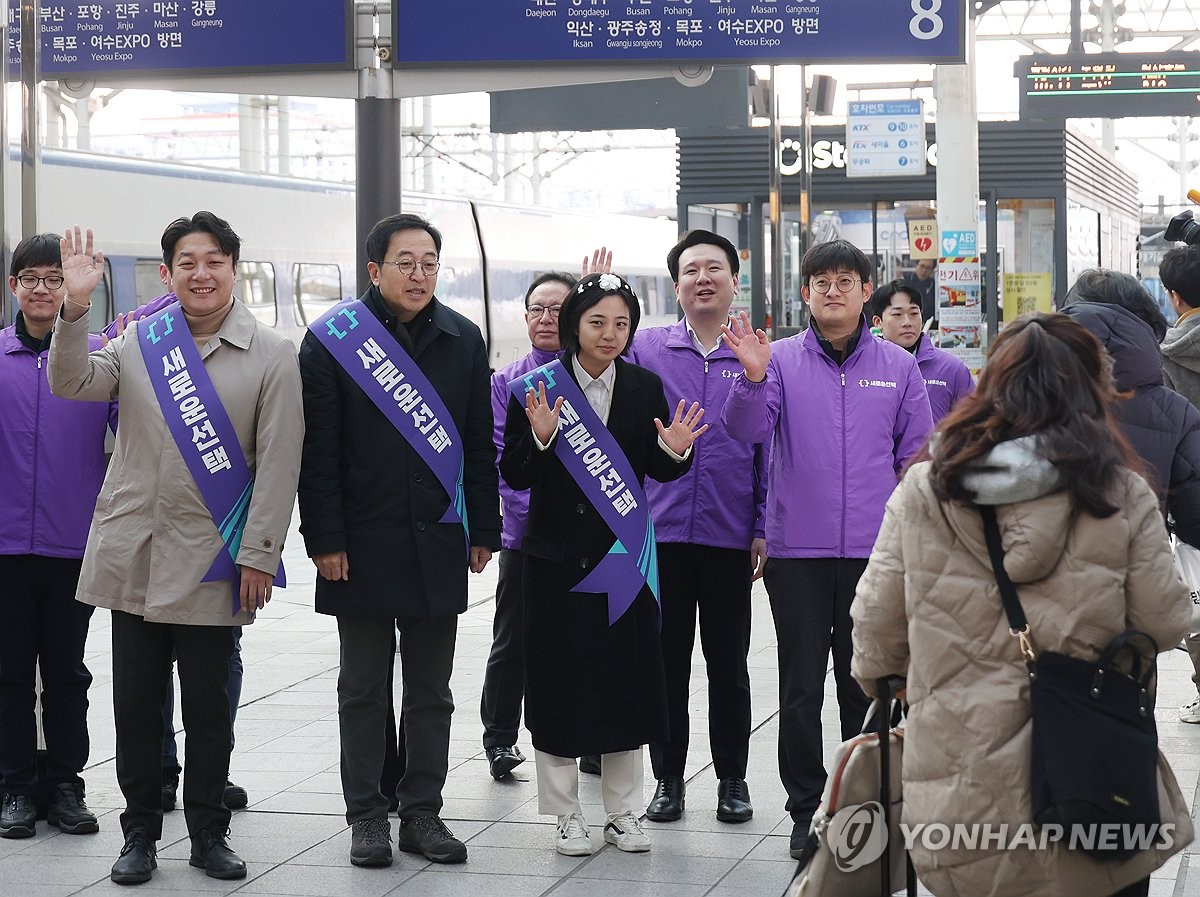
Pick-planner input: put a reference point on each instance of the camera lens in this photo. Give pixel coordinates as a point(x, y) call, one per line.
point(1183, 228)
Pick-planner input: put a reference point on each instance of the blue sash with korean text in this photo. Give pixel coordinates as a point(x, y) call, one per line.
point(596, 462)
point(365, 349)
point(203, 433)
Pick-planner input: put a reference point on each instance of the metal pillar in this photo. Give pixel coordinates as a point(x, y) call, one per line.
point(31, 152)
point(958, 143)
point(377, 158)
point(376, 135)
point(775, 188)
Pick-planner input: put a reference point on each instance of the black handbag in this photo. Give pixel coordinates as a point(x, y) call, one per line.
point(1094, 760)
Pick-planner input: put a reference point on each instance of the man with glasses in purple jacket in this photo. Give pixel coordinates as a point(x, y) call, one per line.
point(52, 455)
point(709, 529)
point(844, 412)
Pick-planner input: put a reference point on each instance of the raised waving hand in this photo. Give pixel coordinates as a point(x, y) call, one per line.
point(82, 269)
point(685, 428)
point(752, 347)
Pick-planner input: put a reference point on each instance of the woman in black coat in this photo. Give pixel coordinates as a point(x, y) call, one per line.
point(591, 687)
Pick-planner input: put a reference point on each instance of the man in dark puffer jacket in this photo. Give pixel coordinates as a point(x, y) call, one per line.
point(1162, 426)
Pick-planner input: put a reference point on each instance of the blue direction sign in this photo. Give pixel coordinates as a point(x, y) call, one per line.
point(87, 39)
point(453, 32)
point(885, 139)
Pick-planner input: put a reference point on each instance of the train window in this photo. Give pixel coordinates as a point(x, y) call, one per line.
point(102, 311)
point(317, 289)
point(148, 281)
point(256, 289)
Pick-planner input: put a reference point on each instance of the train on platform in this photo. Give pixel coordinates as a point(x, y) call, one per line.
point(298, 253)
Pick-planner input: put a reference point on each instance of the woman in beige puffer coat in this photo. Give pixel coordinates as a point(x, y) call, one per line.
point(1085, 544)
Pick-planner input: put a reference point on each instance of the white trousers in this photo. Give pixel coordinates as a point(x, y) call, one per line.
point(621, 778)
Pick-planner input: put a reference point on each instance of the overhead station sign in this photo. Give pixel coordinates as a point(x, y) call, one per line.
point(89, 39)
point(1109, 85)
point(454, 32)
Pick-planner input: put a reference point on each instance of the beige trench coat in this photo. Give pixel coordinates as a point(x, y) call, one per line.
point(928, 607)
point(152, 538)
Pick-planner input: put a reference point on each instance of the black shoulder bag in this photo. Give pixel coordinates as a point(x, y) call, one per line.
point(1094, 761)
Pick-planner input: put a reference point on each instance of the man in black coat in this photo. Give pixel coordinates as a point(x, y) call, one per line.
point(370, 508)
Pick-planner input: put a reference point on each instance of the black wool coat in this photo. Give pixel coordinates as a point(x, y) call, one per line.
point(1161, 425)
point(590, 688)
point(364, 490)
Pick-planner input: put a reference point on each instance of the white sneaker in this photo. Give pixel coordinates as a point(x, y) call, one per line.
point(623, 830)
point(571, 839)
point(1190, 713)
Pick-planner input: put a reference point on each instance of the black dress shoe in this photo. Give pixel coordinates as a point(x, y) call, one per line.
point(503, 760)
point(733, 801)
point(170, 790)
point(667, 803)
point(136, 862)
point(212, 854)
point(235, 797)
point(801, 845)
point(590, 764)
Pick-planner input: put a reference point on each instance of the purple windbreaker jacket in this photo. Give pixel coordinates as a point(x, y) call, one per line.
point(721, 502)
point(52, 455)
point(514, 504)
point(946, 378)
point(840, 437)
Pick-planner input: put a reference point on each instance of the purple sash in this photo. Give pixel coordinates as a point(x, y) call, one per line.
point(376, 361)
point(203, 433)
point(595, 461)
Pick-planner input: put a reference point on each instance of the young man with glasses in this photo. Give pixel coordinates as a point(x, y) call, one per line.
point(844, 412)
point(398, 499)
point(52, 454)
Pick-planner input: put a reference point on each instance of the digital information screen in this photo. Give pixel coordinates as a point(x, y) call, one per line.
point(86, 39)
point(453, 32)
point(1110, 85)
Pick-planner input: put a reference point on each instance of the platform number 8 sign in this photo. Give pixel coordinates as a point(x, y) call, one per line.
point(926, 24)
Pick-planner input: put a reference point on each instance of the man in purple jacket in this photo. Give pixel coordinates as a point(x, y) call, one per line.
point(895, 308)
point(844, 412)
point(709, 529)
point(504, 681)
point(52, 455)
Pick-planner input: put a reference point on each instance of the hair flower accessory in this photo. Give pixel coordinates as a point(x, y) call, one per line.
point(610, 282)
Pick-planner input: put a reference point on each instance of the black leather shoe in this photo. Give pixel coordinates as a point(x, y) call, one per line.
point(590, 764)
point(799, 846)
point(733, 801)
point(235, 797)
point(69, 813)
point(667, 803)
point(18, 816)
point(212, 854)
point(170, 790)
point(428, 836)
point(503, 760)
point(136, 862)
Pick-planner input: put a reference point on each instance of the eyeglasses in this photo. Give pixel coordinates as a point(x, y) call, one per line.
point(30, 281)
point(536, 311)
point(822, 285)
point(408, 266)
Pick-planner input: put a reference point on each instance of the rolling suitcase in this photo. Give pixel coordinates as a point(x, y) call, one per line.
point(855, 847)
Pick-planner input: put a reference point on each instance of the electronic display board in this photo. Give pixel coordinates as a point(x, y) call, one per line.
point(457, 32)
point(87, 39)
point(1109, 85)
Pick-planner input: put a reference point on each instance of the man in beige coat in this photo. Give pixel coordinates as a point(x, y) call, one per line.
point(153, 539)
